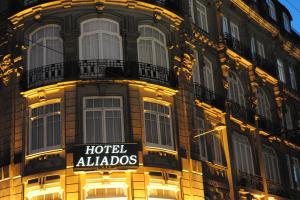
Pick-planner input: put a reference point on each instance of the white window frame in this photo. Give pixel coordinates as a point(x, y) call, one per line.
point(236, 90)
point(159, 145)
point(260, 49)
point(293, 78)
point(286, 22)
point(271, 164)
point(242, 144)
point(99, 33)
point(154, 186)
point(48, 190)
point(208, 74)
point(235, 33)
point(263, 105)
point(296, 172)
point(280, 68)
point(153, 40)
point(225, 25)
point(288, 118)
point(42, 42)
point(272, 10)
point(201, 13)
point(253, 47)
point(196, 69)
point(103, 110)
point(120, 185)
point(200, 126)
point(44, 116)
point(218, 147)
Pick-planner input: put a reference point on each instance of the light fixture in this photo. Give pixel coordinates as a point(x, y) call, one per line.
point(216, 128)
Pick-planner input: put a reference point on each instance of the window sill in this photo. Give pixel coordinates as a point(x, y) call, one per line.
point(157, 148)
point(44, 153)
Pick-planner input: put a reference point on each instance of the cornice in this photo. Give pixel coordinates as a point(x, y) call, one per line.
point(287, 45)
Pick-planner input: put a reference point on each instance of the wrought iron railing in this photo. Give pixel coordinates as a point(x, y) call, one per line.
point(206, 95)
point(269, 125)
point(265, 64)
point(276, 189)
point(250, 181)
point(237, 46)
point(98, 70)
point(240, 112)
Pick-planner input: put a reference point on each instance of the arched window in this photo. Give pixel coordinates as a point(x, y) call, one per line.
point(152, 47)
point(243, 154)
point(271, 164)
point(263, 107)
point(272, 11)
point(236, 91)
point(45, 46)
point(100, 39)
point(208, 74)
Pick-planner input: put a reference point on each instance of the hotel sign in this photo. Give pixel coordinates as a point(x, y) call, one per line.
point(90, 157)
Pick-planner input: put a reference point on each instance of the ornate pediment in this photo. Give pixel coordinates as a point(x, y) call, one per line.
point(7, 68)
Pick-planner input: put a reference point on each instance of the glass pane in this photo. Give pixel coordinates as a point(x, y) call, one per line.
point(111, 46)
point(113, 126)
point(94, 128)
point(151, 128)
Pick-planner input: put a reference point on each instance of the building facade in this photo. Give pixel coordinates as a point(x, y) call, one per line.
point(205, 91)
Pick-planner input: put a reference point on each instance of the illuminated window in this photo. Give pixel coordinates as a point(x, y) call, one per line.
point(243, 154)
point(281, 73)
point(50, 196)
point(152, 47)
point(217, 147)
point(45, 128)
point(103, 119)
point(293, 78)
point(100, 39)
point(200, 127)
point(272, 11)
point(201, 16)
point(158, 127)
point(236, 91)
point(45, 46)
point(286, 22)
point(271, 164)
point(106, 193)
point(294, 172)
point(162, 193)
point(263, 106)
point(208, 74)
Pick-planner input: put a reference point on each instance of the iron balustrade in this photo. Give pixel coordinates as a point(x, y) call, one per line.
point(237, 46)
point(208, 96)
point(104, 69)
point(276, 188)
point(264, 64)
point(250, 181)
point(269, 125)
point(240, 112)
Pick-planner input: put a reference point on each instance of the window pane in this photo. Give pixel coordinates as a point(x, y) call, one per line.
point(53, 130)
point(111, 46)
point(90, 46)
point(94, 129)
point(165, 131)
point(151, 128)
point(145, 51)
point(37, 134)
point(113, 126)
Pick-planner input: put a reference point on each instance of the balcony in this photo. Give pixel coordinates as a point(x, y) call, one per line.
point(240, 112)
point(276, 189)
point(208, 96)
point(269, 125)
point(97, 70)
point(265, 65)
point(250, 181)
point(237, 46)
point(214, 172)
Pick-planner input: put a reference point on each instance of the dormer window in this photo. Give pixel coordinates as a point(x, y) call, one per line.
point(272, 11)
point(286, 22)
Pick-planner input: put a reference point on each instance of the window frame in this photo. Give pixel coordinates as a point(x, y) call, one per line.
point(293, 78)
point(208, 70)
point(44, 117)
point(153, 40)
point(201, 126)
point(234, 80)
point(217, 147)
point(99, 36)
point(102, 109)
point(286, 22)
point(148, 144)
point(272, 167)
point(235, 32)
point(116, 185)
point(44, 45)
point(263, 104)
point(281, 73)
point(244, 146)
point(201, 11)
point(272, 10)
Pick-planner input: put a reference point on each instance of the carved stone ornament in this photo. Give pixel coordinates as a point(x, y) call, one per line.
point(7, 70)
point(187, 65)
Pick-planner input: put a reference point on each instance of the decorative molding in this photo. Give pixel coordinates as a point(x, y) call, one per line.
point(7, 68)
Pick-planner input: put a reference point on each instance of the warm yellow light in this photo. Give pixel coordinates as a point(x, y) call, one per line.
point(44, 153)
point(39, 192)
